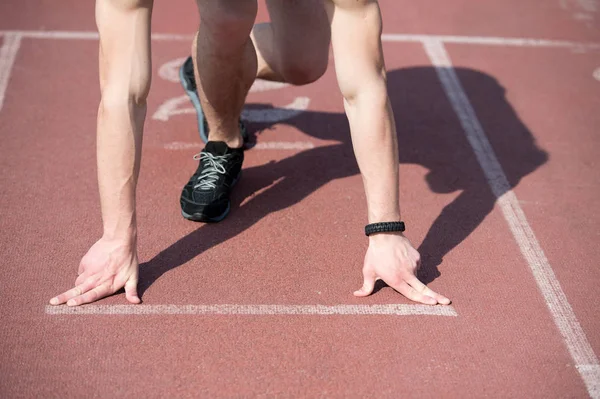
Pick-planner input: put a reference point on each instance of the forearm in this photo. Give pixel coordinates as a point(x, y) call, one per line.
point(125, 81)
point(118, 156)
point(356, 32)
point(375, 146)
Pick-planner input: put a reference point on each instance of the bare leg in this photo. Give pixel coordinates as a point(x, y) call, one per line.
point(226, 64)
point(293, 48)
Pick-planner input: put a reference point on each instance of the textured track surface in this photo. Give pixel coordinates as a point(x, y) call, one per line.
point(499, 142)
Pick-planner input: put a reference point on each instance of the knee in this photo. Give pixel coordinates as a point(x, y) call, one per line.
point(227, 21)
point(117, 96)
point(303, 71)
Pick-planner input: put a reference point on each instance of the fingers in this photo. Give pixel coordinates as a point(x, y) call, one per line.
point(368, 286)
point(74, 292)
point(423, 289)
point(81, 278)
point(90, 288)
point(92, 295)
point(413, 294)
point(131, 290)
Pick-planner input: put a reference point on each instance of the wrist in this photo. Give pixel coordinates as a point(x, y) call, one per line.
point(385, 239)
point(127, 238)
point(124, 231)
point(381, 217)
point(384, 227)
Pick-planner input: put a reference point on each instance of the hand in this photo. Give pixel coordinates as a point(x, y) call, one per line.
point(392, 258)
point(107, 267)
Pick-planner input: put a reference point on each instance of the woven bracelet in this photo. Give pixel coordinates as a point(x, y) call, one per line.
point(384, 227)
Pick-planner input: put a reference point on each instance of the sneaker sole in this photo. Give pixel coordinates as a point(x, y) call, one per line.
point(200, 217)
point(196, 102)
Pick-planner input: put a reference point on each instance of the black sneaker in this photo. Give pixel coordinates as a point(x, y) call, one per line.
point(205, 198)
point(188, 81)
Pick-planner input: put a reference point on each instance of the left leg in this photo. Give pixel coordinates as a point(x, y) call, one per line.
point(294, 46)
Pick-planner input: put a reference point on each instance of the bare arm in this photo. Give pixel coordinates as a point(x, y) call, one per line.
point(356, 37)
point(125, 71)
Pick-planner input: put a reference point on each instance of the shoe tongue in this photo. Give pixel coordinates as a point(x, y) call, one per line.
point(216, 147)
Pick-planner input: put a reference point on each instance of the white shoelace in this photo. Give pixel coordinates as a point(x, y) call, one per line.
point(212, 168)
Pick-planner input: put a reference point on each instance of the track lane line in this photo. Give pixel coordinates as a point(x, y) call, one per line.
point(564, 317)
point(386, 37)
point(8, 53)
point(489, 41)
point(255, 310)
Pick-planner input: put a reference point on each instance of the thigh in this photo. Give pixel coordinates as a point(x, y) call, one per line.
point(300, 28)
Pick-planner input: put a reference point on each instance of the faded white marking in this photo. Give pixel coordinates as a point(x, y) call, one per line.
point(284, 145)
point(580, 16)
point(596, 74)
point(171, 107)
point(268, 145)
point(274, 115)
point(181, 145)
point(564, 317)
point(582, 10)
point(170, 70)
point(588, 5)
point(261, 190)
point(255, 310)
point(483, 40)
point(8, 53)
point(266, 85)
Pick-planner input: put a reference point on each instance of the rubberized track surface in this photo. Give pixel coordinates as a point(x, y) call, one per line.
point(497, 108)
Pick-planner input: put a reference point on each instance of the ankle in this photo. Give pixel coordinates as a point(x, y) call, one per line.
point(232, 140)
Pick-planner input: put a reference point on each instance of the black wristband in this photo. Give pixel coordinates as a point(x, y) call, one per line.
point(384, 227)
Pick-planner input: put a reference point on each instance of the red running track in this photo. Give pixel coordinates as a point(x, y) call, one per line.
point(499, 185)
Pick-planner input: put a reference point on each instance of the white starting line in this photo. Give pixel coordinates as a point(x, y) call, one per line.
point(255, 310)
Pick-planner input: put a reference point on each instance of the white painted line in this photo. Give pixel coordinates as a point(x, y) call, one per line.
point(489, 41)
point(268, 145)
point(284, 145)
point(170, 70)
point(596, 74)
point(564, 317)
point(170, 107)
point(86, 35)
point(391, 37)
point(182, 145)
point(176, 106)
point(266, 85)
point(274, 115)
point(8, 53)
point(255, 310)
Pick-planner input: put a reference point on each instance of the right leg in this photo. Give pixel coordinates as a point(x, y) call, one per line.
point(292, 48)
point(226, 64)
